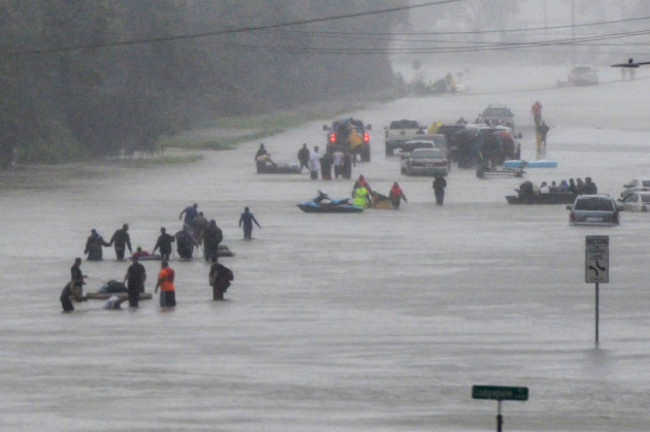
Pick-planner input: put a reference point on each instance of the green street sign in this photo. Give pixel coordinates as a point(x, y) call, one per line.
point(500, 393)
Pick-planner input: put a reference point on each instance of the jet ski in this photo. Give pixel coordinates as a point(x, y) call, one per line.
point(324, 204)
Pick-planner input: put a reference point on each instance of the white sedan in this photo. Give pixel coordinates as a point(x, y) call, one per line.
point(636, 201)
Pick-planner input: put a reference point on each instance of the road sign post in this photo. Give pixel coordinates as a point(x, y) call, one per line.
point(597, 266)
point(499, 394)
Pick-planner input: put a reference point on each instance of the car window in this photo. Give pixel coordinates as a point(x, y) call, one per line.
point(632, 198)
point(646, 183)
point(595, 204)
point(645, 198)
point(427, 154)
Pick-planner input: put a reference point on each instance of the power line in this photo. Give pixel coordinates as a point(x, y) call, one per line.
point(226, 31)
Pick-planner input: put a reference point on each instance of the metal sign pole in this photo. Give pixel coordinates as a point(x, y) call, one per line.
point(597, 312)
point(499, 417)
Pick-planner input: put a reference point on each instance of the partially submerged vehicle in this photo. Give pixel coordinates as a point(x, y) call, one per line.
point(350, 136)
point(426, 161)
point(498, 115)
point(637, 201)
point(594, 210)
point(324, 204)
point(580, 76)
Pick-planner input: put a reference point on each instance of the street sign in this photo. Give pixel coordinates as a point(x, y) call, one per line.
point(500, 393)
point(597, 259)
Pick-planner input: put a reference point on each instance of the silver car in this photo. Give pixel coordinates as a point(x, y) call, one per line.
point(594, 210)
point(429, 162)
point(636, 201)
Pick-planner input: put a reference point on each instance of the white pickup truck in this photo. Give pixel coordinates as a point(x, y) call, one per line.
point(401, 131)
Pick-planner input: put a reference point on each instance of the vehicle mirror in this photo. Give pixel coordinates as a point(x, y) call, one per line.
point(569, 207)
point(519, 136)
point(326, 128)
point(369, 126)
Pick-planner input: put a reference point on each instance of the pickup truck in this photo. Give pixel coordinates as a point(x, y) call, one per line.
point(400, 131)
point(349, 135)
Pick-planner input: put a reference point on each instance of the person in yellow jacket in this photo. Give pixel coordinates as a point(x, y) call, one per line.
point(433, 129)
point(355, 139)
point(360, 195)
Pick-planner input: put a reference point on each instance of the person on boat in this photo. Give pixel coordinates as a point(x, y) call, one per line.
point(134, 280)
point(247, 219)
point(303, 157)
point(544, 188)
point(220, 278)
point(121, 240)
point(396, 195)
point(564, 186)
point(212, 237)
point(164, 243)
point(439, 185)
point(590, 186)
point(553, 188)
point(191, 213)
point(573, 188)
point(94, 245)
point(580, 186)
point(113, 303)
point(166, 285)
point(139, 253)
point(314, 163)
point(526, 192)
point(360, 195)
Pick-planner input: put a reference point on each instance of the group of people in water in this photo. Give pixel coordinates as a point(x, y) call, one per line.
point(197, 232)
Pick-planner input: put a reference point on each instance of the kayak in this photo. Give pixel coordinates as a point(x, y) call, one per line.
point(324, 204)
point(542, 163)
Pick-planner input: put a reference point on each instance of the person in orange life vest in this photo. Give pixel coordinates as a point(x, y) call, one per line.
point(396, 194)
point(166, 285)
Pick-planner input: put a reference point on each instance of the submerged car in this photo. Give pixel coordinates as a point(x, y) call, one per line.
point(635, 185)
point(594, 210)
point(496, 115)
point(636, 201)
point(427, 161)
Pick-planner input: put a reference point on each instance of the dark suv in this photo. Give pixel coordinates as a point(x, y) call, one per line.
point(495, 115)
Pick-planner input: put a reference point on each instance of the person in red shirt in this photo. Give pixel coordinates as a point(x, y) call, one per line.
point(396, 195)
point(166, 285)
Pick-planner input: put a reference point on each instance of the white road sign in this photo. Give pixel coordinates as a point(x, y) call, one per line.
point(597, 259)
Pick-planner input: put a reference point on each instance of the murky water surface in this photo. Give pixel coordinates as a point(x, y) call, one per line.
point(381, 321)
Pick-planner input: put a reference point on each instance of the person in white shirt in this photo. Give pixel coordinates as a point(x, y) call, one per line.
point(338, 163)
point(543, 188)
point(314, 163)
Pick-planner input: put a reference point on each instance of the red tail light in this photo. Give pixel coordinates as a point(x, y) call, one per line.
point(332, 138)
point(366, 137)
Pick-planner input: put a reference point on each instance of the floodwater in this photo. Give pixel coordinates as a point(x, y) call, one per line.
point(381, 321)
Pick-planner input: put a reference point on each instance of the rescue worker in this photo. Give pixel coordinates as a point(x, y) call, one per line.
point(166, 285)
point(121, 240)
point(360, 195)
point(134, 279)
point(220, 278)
point(164, 242)
point(303, 157)
point(212, 237)
point(248, 219)
point(439, 185)
point(94, 245)
point(536, 109)
point(396, 195)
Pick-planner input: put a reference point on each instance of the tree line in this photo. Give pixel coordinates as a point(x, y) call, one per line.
point(81, 80)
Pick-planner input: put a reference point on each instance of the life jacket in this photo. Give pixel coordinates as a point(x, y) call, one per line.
point(395, 192)
point(361, 196)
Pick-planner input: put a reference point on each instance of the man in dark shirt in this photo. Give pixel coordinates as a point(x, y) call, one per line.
point(190, 214)
point(164, 243)
point(134, 280)
point(220, 279)
point(247, 219)
point(121, 240)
